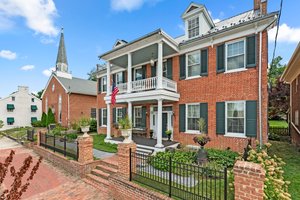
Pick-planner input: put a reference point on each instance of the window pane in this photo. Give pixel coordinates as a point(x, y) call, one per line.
point(235, 117)
point(194, 111)
point(194, 70)
point(139, 74)
point(193, 124)
point(235, 55)
point(193, 58)
point(235, 125)
point(119, 77)
point(235, 109)
point(235, 62)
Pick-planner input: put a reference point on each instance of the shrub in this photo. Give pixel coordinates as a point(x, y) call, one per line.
point(44, 120)
point(273, 136)
point(57, 130)
point(224, 158)
point(71, 136)
point(93, 125)
point(275, 186)
point(50, 117)
point(84, 122)
point(1, 124)
point(37, 124)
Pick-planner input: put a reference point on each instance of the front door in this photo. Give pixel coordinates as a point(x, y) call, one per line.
point(164, 124)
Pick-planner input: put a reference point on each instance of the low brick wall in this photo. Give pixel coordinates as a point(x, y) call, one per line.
point(71, 166)
point(122, 189)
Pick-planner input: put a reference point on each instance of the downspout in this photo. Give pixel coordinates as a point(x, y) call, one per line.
point(259, 90)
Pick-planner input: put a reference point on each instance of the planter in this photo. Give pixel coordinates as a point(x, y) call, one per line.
point(202, 156)
point(85, 130)
point(126, 133)
point(169, 137)
point(151, 134)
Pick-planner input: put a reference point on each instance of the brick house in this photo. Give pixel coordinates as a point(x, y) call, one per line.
point(215, 71)
point(291, 76)
point(70, 98)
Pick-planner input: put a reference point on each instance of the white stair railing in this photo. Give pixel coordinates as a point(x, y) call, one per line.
point(144, 84)
point(169, 84)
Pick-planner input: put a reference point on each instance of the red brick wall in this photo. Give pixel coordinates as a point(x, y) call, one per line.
point(217, 88)
point(53, 100)
point(80, 106)
point(295, 96)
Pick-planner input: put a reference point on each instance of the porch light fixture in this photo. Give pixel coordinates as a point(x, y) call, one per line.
point(152, 62)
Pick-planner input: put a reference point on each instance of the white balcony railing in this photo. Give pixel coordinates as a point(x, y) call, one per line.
point(148, 84)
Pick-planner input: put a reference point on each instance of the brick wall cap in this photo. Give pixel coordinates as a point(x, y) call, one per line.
point(243, 165)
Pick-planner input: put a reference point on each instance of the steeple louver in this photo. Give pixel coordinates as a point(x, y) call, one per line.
point(61, 60)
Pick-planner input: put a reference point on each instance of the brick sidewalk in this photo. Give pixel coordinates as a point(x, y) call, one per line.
point(51, 182)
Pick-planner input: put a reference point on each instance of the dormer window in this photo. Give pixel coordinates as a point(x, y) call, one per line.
point(193, 27)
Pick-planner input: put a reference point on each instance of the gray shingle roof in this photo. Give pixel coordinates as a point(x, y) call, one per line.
point(79, 86)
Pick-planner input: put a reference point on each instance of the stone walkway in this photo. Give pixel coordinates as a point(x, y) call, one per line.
point(49, 182)
point(102, 154)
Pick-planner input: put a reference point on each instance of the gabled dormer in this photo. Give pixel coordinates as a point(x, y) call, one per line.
point(119, 43)
point(197, 21)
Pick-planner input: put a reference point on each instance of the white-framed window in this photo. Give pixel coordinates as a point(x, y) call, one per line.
point(193, 65)
point(119, 77)
point(192, 117)
point(119, 114)
point(235, 112)
point(53, 87)
point(235, 55)
point(137, 122)
point(103, 84)
point(138, 73)
point(193, 27)
point(297, 118)
point(104, 117)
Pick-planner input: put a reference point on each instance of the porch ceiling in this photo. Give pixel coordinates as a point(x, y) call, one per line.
point(143, 55)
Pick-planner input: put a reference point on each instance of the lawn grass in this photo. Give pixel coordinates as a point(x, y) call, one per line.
point(291, 157)
point(100, 145)
point(17, 133)
point(278, 124)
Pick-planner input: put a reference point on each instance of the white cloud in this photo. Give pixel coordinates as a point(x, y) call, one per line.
point(39, 14)
point(48, 72)
point(130, 5)
point(7, 54)
point(27, 67)
point(285, 34)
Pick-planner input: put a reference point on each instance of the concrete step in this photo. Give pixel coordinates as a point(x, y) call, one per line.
point(106, 169)
point(100, 173)
point(97, 180)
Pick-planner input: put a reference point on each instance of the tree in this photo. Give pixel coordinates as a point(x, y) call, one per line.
point(92, 75)
point(44, 119)
point(50, 117)
point(279, 92)
point(39, 94)
point(1, 124)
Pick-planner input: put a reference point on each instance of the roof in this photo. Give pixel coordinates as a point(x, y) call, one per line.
point(61, 55)
point(79, 86)
point(293, 68)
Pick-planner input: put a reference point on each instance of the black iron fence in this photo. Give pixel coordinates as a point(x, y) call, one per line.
point(30, 135)
point(67, 147)
point(179, 180)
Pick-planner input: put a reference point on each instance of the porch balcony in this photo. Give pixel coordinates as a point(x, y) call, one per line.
point(148, 84)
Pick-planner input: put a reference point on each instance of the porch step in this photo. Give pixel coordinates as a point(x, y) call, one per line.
point(100, 173)
point(144, 150)
point(97, 180)
point(111, 162)
point(106, 169)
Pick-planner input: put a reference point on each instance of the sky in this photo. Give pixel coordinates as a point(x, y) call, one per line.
point(30, 30)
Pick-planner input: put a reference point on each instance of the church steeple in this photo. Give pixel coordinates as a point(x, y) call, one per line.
point(61, 60)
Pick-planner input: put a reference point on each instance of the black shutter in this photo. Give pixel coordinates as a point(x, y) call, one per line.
point(123, 77)
point(144, 117)
point(204, 114)
point(153, 70)
point(132, 74)
point(144, 68)
point(182, 66)
point(221, 58)
point(99, 117)
point(251, 118)
point(114, 115)
point(251, 51)
point(182, 118)
point(220, 118)
point(99, 85)
point(170, 68)
point(204, 62)
point(114, 78)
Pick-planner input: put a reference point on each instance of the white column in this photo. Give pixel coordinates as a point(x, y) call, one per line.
point(159, 125)
point(160, 65)
point(129, 111)
point(108, 88)
point(129, 73)
point(108, 127)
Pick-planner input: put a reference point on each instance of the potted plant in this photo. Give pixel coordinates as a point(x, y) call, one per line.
point(84, 124)
point(168, 133)
point(202, 140)
point(151, 133)
point(126, 129)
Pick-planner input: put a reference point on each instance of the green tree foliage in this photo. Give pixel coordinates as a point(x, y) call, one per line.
point(1, 124)
point(92, 75)
point(44, 119)
point(39, 94)
point(278, 92)
point(50, 117)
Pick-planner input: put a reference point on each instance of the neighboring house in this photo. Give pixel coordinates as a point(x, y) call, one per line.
point(20, 109)
point(69, 98)
point(291, 76)
point(215, 71)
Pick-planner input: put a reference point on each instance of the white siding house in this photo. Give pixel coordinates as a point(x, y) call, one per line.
point(19, 109)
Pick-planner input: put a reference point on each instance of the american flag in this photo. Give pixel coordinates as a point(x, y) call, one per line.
point(114, 93)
